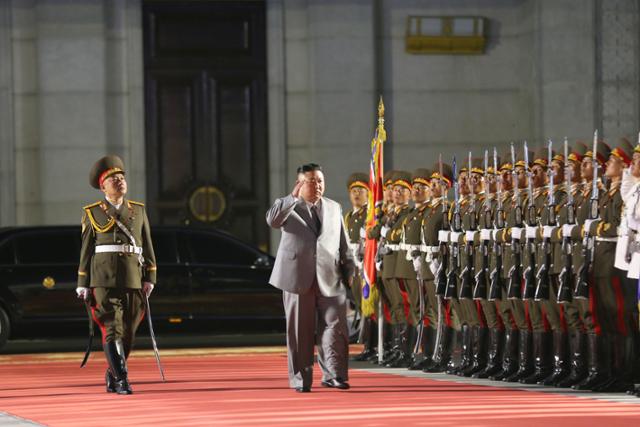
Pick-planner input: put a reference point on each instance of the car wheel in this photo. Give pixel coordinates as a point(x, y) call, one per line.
point(5, 327)
point(354, 321)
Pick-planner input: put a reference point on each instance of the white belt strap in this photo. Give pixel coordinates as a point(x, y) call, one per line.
point(129, 249)
point(607, 239)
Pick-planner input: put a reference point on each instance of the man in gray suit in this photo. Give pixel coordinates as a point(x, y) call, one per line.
point(312, 265)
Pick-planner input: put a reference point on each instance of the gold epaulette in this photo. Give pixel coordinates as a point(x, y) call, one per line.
point(136, 203)
point(97, 227)
point(91, 205)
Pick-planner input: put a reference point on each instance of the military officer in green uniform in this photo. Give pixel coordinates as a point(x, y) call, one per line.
point(409, 239)
point(354, 221)
point(117, 266)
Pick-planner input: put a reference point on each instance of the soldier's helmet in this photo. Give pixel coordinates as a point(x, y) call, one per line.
point(358, 179)
point(104, 168)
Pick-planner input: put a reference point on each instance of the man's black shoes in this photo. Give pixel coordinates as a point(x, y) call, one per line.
point(303, 389)
point(336, 383)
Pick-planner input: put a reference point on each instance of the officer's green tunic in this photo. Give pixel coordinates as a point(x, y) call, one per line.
point(354, 221)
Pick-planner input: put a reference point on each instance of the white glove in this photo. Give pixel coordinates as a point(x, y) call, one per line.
point(443, 236)
point(547, 230)
point(587, 224)
point(147, 288)
point(379, 265)
point(567, 229)
point(83, 293)
point(516, 233)
point(454, 236)
point(417, 264)
point(531, 232)
point(494, 233)
point(384, 231)
point(469, 236)
point(363, 233)
point(434, 265)
point(485, 234)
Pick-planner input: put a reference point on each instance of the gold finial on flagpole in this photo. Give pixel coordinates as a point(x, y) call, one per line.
point(382, 134)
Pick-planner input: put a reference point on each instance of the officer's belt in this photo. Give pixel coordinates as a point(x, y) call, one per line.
point(129, 249)
point(607, 239)
point(393, 247)
point(430, 249)
point(409, 248)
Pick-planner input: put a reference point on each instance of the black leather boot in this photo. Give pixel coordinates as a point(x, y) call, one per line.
point(622, 372)
point(494, 361)
point(108, 378)
point(442, 357)
point(367, 351)
point(115, 354)
point(510, 356)
point(541, 364)
point(407, 339)
point(525, 359)
point(560, 360)
point(423, 359)
point(466, 356)
point(599, 372)
point(578, 360)
point(478, 351)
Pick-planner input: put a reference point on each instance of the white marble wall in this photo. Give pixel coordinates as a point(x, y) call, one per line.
point(77, 95)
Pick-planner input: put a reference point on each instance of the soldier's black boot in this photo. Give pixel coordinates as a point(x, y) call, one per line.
point(393, 348)
point(442, 355)
point(108, 378)
point(466, 357)
point(577, 361)
point(407, 338)
point(367, 351)
point(478, 351)
point(560, 360)
point(114, 352)
point(622, 367)
point(599, 366)
point(423, 359)
point(525, 359)
point(494, 361)
point(510, 356)
point(541, 365)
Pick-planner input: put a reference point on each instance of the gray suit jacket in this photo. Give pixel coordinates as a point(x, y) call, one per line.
point(304, 255)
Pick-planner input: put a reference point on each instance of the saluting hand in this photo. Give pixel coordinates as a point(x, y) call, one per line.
point(296, 189)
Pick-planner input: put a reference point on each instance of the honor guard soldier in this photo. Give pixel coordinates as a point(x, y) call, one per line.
point(597, 371)
point(117, 266)
point(354, 221)
point(435, 237)
point(390, 232)
point(611, 308)
point(410, 273)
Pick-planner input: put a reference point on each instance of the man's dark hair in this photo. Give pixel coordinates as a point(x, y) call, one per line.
point(309, 167)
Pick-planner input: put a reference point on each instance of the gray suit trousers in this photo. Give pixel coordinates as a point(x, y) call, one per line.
point(313, 319)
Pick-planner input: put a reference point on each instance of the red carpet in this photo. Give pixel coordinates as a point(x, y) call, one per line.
point(232, 389)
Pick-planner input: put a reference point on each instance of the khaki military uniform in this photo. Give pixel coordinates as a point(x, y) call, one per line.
point(354, 222)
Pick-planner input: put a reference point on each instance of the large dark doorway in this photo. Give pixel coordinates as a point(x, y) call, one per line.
point(205, 105)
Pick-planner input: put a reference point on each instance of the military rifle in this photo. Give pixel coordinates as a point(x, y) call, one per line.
point(543, 275)
point(588, 241)
point(480, 290)
point(495, 288)
point(515, 273)
point(456, 227)
point(566, 275)
point(530, 271)
point(467, 276)
point(441, 274)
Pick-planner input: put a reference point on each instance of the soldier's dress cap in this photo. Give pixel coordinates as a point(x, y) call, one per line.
point(603, 152)
point(541, 156)
point(520, 160)
point(358, 179)
point(402, 178)
point(104, 168)
point(387, 179)
point(577, 151)
point(421, 175)
point(504, 160)
point(477, 165)
point(447, 173)
point(623, 151)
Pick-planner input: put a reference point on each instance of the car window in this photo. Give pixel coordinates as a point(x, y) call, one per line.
point(6, 253)
point(209, 248)
point(164, 246)
point(48, 247)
